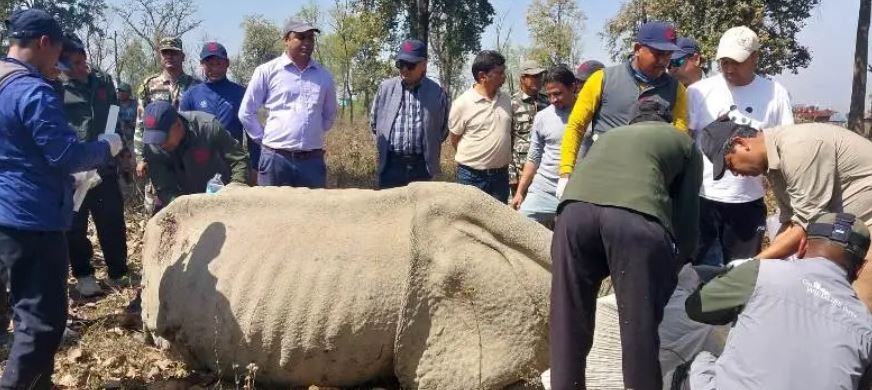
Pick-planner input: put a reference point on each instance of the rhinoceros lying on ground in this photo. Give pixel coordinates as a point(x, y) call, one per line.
point(436, 284)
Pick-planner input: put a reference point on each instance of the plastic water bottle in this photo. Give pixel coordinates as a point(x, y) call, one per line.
point(215, 184)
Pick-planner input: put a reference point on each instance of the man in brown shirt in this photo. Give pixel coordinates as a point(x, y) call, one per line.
point(812, 168)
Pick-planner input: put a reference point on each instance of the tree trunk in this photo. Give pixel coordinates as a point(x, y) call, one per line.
point(861, 61)
point(422, 21)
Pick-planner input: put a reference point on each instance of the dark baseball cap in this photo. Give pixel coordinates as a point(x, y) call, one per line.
point(33, 23)
point(157, 120)
point(649, 105)
point(412, 50)
point(715, 138)
point(845, 229)
point(583, 72)
point(213, 49)
point(687, 47)
point(124, 87)
point(297, 25)
point(72, 43)
point(658, 35)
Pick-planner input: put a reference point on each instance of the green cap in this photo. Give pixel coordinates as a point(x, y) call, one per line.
point(170, 43)
point(842, 228)
point(124, 87)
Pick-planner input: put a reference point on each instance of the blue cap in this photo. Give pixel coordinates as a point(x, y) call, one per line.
point(72, 43)
point(158, 118)
point(413, 51)
point(33, 23)
point(686, 46)
point(658, 35)
point(213, 49)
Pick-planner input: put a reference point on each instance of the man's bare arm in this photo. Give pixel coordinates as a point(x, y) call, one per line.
point(786, 242)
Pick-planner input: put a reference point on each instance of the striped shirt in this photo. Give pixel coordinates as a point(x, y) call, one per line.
point(407, 135)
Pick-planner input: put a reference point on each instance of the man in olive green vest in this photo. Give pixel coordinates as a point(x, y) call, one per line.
point(629, 208)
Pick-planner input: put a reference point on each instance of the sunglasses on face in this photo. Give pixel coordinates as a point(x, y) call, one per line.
point(405, 65)
point(678, 62)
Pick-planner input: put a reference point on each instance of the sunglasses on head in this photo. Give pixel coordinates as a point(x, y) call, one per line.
point(678, 62)
point(405, 64)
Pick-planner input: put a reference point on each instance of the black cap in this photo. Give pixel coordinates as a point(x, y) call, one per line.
point(33, 23)
point(158, 118)
point(715, 138)
point(845, 229)
point(213, 49)
point(412, 50)
point(652, 105)
point(583, 72)
point(72, 43)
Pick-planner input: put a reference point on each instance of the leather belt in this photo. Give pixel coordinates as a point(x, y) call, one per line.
point(299, 154)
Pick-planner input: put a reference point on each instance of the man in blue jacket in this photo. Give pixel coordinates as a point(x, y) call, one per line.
point(220, 97)
point(409, 118)
point(39, 152)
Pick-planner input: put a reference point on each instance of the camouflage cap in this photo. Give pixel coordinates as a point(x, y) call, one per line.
point(124, 87)
point(170, 43)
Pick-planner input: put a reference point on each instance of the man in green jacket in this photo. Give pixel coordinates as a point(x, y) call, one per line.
point(87, 95)
point(184, 150)
point(630, 206)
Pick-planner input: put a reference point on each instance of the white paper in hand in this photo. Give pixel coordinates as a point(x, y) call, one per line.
point(112, 119)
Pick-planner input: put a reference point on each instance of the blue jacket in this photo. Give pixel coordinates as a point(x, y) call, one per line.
point(384, 111)
point(38, 152)
point(221, 99)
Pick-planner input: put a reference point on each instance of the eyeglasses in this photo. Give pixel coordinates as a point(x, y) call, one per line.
point(404, 65)
point(678, 62)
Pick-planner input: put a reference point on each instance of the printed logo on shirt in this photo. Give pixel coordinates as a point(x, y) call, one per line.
point(818, 291)
point(741, 116)
point(201, 156)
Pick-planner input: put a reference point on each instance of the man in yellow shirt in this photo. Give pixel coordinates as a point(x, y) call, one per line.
point(608, 95)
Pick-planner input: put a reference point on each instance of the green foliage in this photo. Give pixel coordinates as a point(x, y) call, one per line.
point(71, 14)
point(555, 28)
point(262, 43)
point(777, 22)
point(455, 30)
point(134, 60)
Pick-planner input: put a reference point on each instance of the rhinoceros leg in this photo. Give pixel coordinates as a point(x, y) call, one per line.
point(476, 310)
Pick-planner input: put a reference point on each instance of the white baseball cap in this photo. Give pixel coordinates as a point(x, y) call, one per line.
point(738, 43)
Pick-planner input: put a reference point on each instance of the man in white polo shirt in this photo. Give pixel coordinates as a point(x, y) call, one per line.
point(732, 211)
point(480, 126)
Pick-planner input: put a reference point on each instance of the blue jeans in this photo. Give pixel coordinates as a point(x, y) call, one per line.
point(540, 206)
point(494, 182)
point(37, 266)
point(401, 170)
point(276, 168)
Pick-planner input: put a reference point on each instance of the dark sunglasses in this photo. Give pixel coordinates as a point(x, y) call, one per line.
point(678, 62)
point(405, 65)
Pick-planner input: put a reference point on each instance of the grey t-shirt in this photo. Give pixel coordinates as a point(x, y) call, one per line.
point(545, 139)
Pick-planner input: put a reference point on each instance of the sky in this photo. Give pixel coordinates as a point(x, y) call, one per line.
point(829, 34)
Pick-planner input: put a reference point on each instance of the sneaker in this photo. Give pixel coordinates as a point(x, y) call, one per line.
point(121, 282)
point(87, 286)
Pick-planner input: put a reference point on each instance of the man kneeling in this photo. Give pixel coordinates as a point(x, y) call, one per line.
point(798, 323)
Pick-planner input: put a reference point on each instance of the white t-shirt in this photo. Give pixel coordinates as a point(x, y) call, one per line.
point(762, 104)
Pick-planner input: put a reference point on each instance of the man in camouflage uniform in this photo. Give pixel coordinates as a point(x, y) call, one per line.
point(525, 104)
point(169, 86)
point(126, 126)
point(88, 94)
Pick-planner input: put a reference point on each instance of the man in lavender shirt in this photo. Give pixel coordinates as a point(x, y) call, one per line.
point(300, 98)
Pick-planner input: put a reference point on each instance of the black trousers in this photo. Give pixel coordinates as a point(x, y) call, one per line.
point(591, 242)
point(729, 231)
point(37, 266)
point(106, 204)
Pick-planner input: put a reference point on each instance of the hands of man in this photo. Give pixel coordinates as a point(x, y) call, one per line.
point(114, 142)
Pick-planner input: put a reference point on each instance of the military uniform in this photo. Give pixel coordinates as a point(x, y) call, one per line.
point(524, 109)
point(86, 105)
point(158, 87)
point(206, 150)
